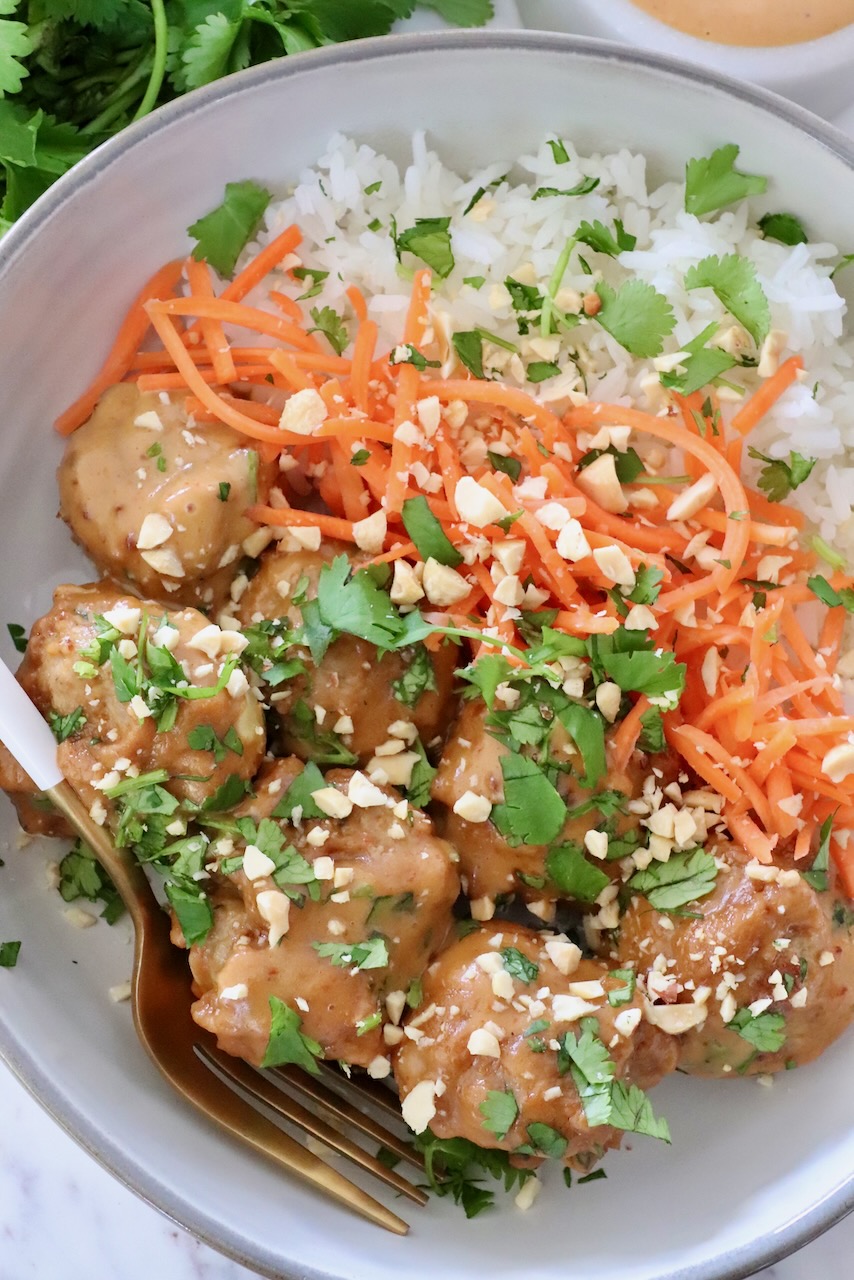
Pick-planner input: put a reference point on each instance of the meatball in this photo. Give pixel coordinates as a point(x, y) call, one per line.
point(373, 895)
point(762, 978)
point(493, 867)
point(496, 1007)
point(347, 703)
point(159, 504)
point(82, 670)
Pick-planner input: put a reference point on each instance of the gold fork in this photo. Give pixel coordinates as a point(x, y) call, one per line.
point(161, 995)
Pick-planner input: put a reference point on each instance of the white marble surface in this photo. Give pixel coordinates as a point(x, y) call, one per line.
point(61, 1215)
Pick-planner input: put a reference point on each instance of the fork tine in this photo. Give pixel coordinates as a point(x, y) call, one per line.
point(373, 1091)
point(344, 1110)
point(259, 1086)
point(220, 1103)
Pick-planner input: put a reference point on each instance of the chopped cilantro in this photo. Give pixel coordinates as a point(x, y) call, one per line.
point(647, 585)
point(651, 737)
point(817, 875)
point(573, 875)
point(478, 195)
point(784, 227)
point(452, 1166)
point(582, 188)
point(421, 778)
point(547, 1140)
point(203, 738)
point(778, 478)
point(411, 355)
point(223, 490)
point(316, 278)
point(587, 730)
point(353, 602)
point(469, 348)
point(427, 533)
point(532, 810)
point(636, 315)
point(511, 467)
point(527, 302)
point(684, 878)
point(627, 462)
point(476, 282)
point(18, 636)
point(828, 595)
point(429, 240)
point(540, 370)
point(499, 1110)
point(598, 237)
point(9, 952)
point(712, 182)
point(322, 745)
point(223, 233)
point(328, 322)
point(82, 876)
point(371, 954)
point(418, 679)
point(702, 365)
point(287, 1043)
point(621, 995)
point(364, 1025)
point(193, 909)
point(64, 726)
point(765, 1031)
point(630, 660)
point(360, 457)
point(560, 155)
point(733, 281)
point(519, 966)
point(604, 1099)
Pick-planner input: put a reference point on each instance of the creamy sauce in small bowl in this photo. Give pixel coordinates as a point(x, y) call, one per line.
point(753, 23)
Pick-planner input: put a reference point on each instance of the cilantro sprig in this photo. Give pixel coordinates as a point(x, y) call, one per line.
point(778, 478)
point(713, 182)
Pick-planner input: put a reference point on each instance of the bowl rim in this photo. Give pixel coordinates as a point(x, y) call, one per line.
point(737, 1263)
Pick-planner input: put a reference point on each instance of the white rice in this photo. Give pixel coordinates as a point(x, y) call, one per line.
point(508, 234)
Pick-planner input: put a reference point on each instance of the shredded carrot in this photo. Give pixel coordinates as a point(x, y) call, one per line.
point(767, 395)
point(213, 334)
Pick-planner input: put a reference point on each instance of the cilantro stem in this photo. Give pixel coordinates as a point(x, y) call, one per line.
point(553, 286)
point(158, 69)
point(117, 108)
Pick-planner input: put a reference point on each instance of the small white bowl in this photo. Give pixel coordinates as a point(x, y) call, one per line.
point(816, 73)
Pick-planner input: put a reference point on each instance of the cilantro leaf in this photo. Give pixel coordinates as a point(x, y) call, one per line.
point(647, 585)
point(622, 995)
point(519, 966)
point(636, 315)
point(784, 227)
point(16, 42)
point(207, 54)
point(573, 875)
point(547, 1140)
point(499, 1110)
point(817, 875)
point(778, 478)
point(712, 182)
point(411, 355)
point(328, 322)
point(582, 188)
point(539, 370)
point(587, 731)
point(427, 533)
point(193, 909)
point(703, 365)
point(371, 954)
point(486, 675)
point(598, 237)
point(451, 1166)
point(733, 281)
point(645, 671)
point(532, 810)
point(429, 240)
point(469, 347)
point(18, 635)
point(465, 13)
point(627, 462)
point(287, 1043)
point(560, 155)
point(65, 726)
point(418, 678)
point(651, 737)
point(421, 778)
point(820, 587)
point(511, 467)
point(684, 878)
point(631, 1110)
point(353, 602)
point(765, 1031)
point(223, 234)
point(9, 951)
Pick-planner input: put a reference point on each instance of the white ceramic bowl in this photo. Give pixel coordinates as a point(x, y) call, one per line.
point(752, 1172)
point(816, 73)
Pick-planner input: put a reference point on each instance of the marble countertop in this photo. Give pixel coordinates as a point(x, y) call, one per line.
point(52, 1191)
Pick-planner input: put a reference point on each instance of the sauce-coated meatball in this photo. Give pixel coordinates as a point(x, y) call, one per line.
point(353, 684)
point(772, 968)
point(80, 662)
point(384, 882)
point(490, 1022)
point(140, 472)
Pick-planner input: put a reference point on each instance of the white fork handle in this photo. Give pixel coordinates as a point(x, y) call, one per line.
point(25, 734)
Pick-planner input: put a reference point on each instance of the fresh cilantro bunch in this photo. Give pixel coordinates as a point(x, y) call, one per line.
point(75, 72)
